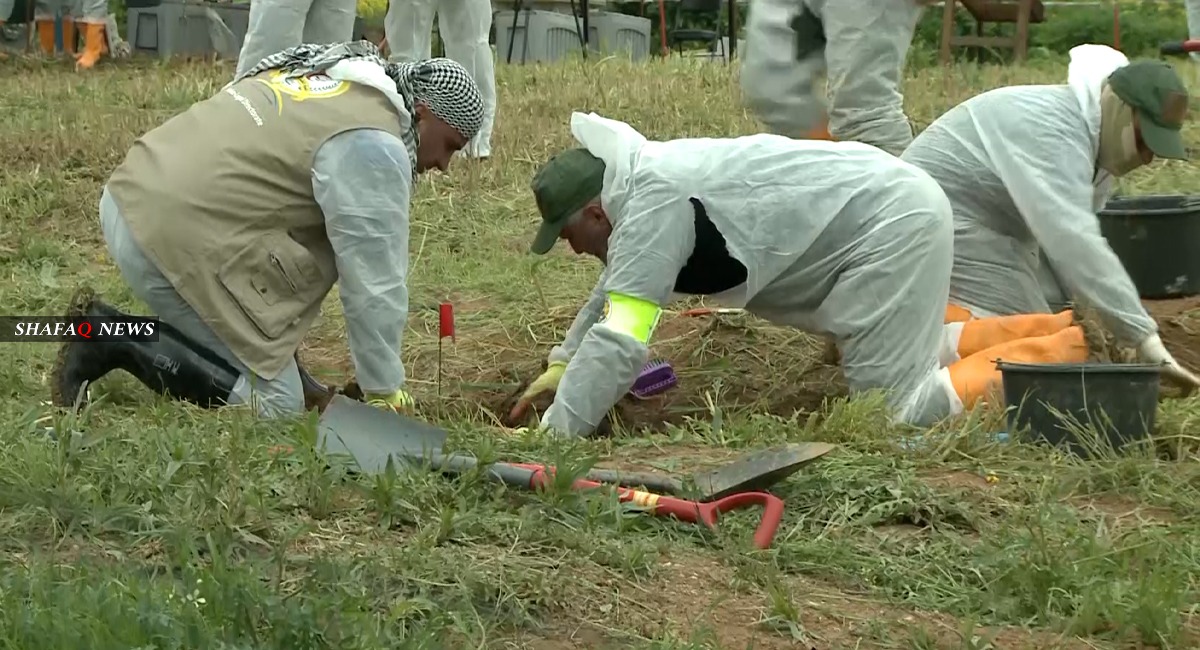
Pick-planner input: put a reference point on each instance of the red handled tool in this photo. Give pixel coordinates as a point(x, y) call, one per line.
point(375, 437)
point(1177, 48)
point(692, 512)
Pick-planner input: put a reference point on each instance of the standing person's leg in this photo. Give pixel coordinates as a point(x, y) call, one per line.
point(188, 361)
point(464, 25)
point(784, 59)
point(867, 42)
point(408, 28)
point(330, 21)
point(275, 25)
point(1193, 21)
point(45, 12)
point(6, 9)
point(92, 17)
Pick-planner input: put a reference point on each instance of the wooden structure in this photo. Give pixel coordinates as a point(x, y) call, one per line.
point(1021, 12)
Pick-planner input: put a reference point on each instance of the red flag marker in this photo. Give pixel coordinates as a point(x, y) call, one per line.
point(446, 321)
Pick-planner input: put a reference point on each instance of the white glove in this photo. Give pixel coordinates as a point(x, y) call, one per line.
point(1153, 351)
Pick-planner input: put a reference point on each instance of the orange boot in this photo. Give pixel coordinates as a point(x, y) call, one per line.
point(977, 378)
point(93, 45)
point(45, 30)
point(69, 39)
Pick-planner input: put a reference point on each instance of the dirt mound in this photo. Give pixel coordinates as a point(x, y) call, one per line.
point(721, 362)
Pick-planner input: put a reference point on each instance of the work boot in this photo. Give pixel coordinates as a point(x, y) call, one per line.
point(45, 30)
point(69, 36)
point(174, 365)
point(94, 45)
point(316, 394)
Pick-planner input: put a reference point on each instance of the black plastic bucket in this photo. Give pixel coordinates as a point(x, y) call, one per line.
point(1119, 401)
point(1156, 236)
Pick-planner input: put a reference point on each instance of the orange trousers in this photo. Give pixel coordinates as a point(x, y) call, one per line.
point(1021, 338)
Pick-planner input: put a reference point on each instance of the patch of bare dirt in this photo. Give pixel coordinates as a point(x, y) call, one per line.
point(719, 364)
point(954, 479)
point(1179, 325)
point(1122, 510)
point(720, 361)
point(698, 593)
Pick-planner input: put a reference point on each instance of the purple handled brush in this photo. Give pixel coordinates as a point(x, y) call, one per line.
point(657, 377)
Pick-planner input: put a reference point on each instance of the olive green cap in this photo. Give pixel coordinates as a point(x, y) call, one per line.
point(1158, 96)
point(563, 185)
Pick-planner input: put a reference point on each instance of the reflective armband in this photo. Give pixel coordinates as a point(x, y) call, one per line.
point(631, 316)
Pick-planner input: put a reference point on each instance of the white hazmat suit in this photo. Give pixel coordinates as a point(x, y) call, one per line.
point(464, 26)
point(836, 238)
point(1193, 21)
point(276, 25)
point(1020, 166)
point(860, 44)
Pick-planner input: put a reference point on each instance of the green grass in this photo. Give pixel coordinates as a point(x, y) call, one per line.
point(160, 525)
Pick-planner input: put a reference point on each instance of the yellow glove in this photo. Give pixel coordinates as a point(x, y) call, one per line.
point(547, 382)
point(400, 401)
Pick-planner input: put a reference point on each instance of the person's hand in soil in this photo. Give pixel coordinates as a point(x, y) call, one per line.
point(546, 383)
point(1153, 351)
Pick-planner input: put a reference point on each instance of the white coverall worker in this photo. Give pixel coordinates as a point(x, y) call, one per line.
point(6, 9)
point(1028, 167)
point(1193, 21)
point(276, 25)
point(840, 239)
point(859, 44)
point(464, 26)
point(361, 182)
point(91, 14)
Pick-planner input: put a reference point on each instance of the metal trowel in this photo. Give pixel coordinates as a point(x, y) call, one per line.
point(750, 473)
point(372, 435)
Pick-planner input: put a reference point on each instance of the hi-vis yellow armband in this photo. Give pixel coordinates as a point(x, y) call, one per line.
point(631, 316)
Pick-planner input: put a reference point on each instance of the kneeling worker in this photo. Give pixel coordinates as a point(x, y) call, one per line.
point(841, 239)
point(1027, 168)
point(233, 220)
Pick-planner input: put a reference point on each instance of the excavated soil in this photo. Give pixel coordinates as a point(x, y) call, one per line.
point(1179, 326)
point(720, 364)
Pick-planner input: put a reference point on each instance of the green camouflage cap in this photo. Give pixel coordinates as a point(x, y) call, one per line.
point(561, 188)
point(1158, 96)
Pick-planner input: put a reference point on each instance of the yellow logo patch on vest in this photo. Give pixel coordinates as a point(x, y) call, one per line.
point(310, 86)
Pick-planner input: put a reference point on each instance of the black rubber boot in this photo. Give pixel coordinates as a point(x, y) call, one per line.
point(174, 365)
point(316, 394)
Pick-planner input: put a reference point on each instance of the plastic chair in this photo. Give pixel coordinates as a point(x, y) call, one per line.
point(679, 34)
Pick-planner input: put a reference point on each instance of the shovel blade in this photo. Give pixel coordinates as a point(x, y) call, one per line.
point(758, 471)
point(372, 436)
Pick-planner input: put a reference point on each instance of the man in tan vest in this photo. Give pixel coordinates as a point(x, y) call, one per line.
point(233, 220)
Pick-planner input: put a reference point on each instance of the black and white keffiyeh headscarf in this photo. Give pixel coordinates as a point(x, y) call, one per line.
point(444, 85)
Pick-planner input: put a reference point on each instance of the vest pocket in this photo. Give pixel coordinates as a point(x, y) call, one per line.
point(274, 279)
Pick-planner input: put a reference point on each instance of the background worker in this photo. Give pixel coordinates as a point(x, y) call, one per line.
point(276, 25)
point(464, 26)
point(866, 259)
point(6, 9)
point(1193, 21)
point(92, 15)
point(234, 219)
point(860, 44)
point(1028, 167)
